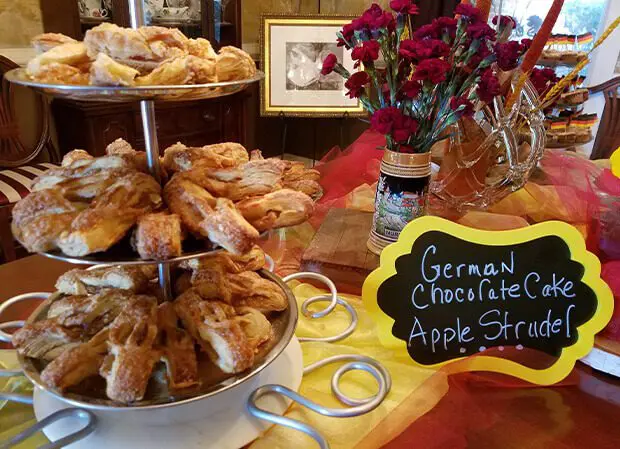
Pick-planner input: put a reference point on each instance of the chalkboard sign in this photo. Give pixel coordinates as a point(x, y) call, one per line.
point(445, 291)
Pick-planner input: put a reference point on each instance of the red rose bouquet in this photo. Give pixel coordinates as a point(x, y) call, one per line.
point(416, 83)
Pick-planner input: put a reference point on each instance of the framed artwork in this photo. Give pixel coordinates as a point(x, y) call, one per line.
point(293, 48)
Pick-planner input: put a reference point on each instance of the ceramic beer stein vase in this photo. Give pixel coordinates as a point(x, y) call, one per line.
point(401, 196)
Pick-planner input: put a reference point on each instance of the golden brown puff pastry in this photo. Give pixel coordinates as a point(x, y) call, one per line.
point(251, 290)
point(253, 178)
point(179, 157)
point(256, 155)
point(234, 64)
point(283, 207)
point(47, 41)
point(213, 325)
point(184, 70)
point(255, 325)
point(132, 336)
point(158, 236)
point(83, 282)
point(56, 73)
point(72, 157)
point(202, 48)
point(118, 43)
point(165, 43)
point(111, 215)
point(90, 313)
point(77, 363)
point(120, 147)
point(79, 169)
point(311, 188)
point(45, 339)
point(40, 219)
point(295, 171)
point(211, 284)
point(177, 348)
point(190, 202)
point(227, 228)
point(105, 71)
point(69, 54)
point(253, 260)
point(182, 283)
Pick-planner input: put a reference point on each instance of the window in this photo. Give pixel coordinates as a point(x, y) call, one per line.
point(578, 17)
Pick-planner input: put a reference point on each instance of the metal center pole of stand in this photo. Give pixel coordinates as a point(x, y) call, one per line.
point(147, 111)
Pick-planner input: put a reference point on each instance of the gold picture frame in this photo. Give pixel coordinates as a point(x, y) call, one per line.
point(292, 86)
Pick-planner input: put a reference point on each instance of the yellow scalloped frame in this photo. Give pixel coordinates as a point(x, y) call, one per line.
point(569, 355)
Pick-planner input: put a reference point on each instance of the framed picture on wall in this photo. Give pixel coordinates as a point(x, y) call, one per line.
point(293, 48)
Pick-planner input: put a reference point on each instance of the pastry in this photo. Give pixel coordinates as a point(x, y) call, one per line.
point(184, 70)
point(179, 157)
point(40, 219)
point(177, 348)
point(215, 219)
point(132, 336)
point(72, 157)
point(202, 48)
point(107, 72)
point(158, 236)
point(111, 215)
point(57, 73)
point(47, 41)
point(255, 325)
point(121, 44)
point(311, 188)
point(213, 325)
point(76, 363)
point(250, 179)
point(574, 97)
point(256, 155)
point(165, 43)
point(227, 228)
point(45, 339)
point(82, 282)
point(69, 54)
point(253, 260)
point(249, 289)
point(277, 209)
point(232, 63)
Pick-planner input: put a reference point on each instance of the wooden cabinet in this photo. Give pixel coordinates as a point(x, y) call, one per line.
point(91, 126)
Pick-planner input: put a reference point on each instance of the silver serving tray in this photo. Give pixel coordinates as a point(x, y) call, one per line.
point(186, 92)
point(283, 324)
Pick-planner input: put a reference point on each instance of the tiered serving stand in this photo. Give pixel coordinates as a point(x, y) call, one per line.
point(50, 409)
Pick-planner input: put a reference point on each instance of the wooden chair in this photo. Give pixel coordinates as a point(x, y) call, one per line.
point(608, 136)
point(17, 169)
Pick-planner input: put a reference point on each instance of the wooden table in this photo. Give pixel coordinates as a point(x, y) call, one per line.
point(479, 411)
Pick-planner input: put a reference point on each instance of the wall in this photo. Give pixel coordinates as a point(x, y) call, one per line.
point(602, 64)
point(20, 20)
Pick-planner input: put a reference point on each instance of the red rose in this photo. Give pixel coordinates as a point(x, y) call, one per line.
point(468, 11)
point(488, 86)
point(356, 83)
point(391, 121)
point(411, 89)
point(467, 108)
point(428, 31)
point(328, 64)
point(508, 55)
point(404, 6)
point(433, 70)
point(480, 30)
point(367, 52)
point(505, 21)
point(542, 79)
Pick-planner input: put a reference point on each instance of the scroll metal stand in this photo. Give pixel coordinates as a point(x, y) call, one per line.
point(354, 407)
